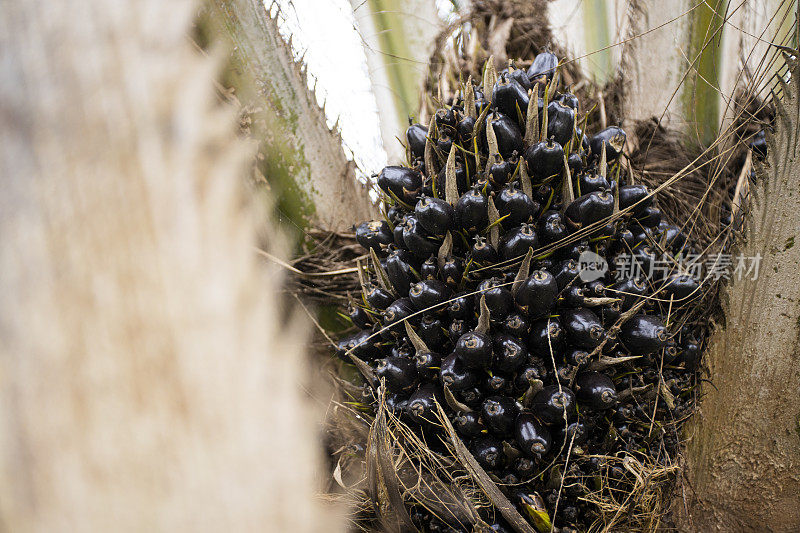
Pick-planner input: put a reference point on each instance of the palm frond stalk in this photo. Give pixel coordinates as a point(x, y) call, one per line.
point(398, 38)
point(300, 157)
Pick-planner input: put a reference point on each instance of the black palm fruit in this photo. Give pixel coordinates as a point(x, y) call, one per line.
point(417, 240)
point(474, 350)
point(634, 194)
point(544, 159)
point(433, 332)
point(646, 258)
point(576, 163)
point(680, 286)
point(374, 234)
point(445, 119)
point(569, 100)
point(610, 313)
point(498, 298)
point(509, 97)
point(501, 172)
point(517, 241)
point(429, 268)
point(358, 316)
point(483, 251)
point(584, 329)
point(675, 240)
point(644, 334)
point(399, 270)
point(484, 184)
point(543, 68)
point(402, 182)
point(536, 369)
point(435, 216)
point(361, 345)
point(546, 335)
point(510, 353)
point(429, 294)
point(576, 357)
point(394, 316)
point(397, 232)
point(572, 297)
point(552, 227)
point(595, 289)
point(471, 397)
point(444, 143)
point(496, 384)
point(567, 272)
point(400, 373)
point(630, 291)
point(574, 250)
point(670, 353)
point(488, 452)
point(537, 294)
point(422, 404)
point(590, 208)
point(468, 424)
point(508, 406)
point(576, 433)
point(525, 467)
point(472, 213)
point(396, 403)
point(560, 121)
point(508, 134)
point(516, 325)
point(452, 270)
point(532, 436)
point(595, 390)
point(465, 130)
point(498, 414)
point(457, 328)
point(401, 350)
point(394, 214)
point(460, 306)
point(591, 182)
point(427, 365)
point(650, 217)
point(614, 139)
point(552, 403)
point(455, 375)
point(516, 204)
point(518, 75)
point(417, 135)
point(543, 194)
point(377, 297)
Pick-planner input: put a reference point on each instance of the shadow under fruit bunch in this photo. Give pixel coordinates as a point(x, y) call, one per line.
point(476, 299)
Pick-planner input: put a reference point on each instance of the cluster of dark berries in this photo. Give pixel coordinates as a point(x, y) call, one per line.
point(494, 290)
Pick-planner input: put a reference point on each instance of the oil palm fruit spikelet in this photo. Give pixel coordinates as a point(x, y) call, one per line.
point(510, 313)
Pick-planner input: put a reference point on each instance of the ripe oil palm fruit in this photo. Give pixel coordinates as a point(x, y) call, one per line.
point(484, 258)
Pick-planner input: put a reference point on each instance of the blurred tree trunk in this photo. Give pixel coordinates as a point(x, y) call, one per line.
point(150, 381)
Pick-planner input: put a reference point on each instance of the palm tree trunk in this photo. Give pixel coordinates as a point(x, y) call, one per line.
point(744, 448)
point(150, 380)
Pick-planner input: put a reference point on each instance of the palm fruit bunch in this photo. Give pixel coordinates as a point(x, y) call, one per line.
point(479, 297)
